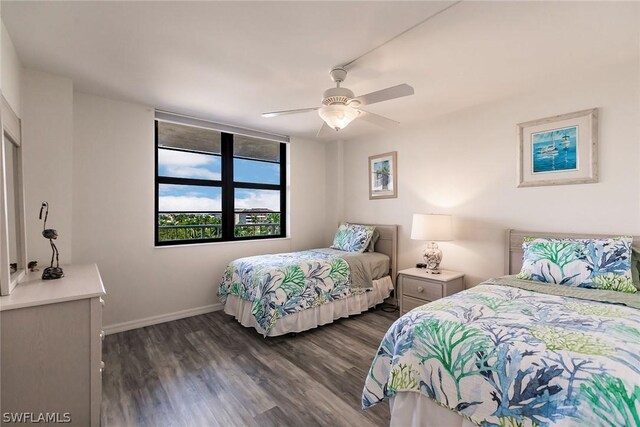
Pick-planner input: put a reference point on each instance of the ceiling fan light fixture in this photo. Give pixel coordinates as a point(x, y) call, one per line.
point(338, 116)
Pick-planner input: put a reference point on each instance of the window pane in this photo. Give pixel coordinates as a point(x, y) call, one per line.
point(189, 198)
point(183, 164)
point(257, 212)
point(188, 138)
point(189, 226)
point(256, 149)
point(189, 212)
point(259, 172)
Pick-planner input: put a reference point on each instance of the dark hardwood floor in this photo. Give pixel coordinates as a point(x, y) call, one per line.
point(209, 370)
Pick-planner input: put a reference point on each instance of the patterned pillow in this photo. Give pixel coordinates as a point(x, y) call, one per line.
point(371, 247)
point(586, 263)
point(635, 267)
point(374, 239)
point(353, 237)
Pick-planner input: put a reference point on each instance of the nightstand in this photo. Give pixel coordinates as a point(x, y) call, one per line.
point(417, 287)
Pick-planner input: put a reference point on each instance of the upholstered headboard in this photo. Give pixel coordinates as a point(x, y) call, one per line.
point(513, 261)
point(387, 244)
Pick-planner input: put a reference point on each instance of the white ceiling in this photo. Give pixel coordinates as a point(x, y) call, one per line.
point(230, 61)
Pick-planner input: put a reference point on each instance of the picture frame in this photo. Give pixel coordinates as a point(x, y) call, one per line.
point(559, 150)
point(383, 176)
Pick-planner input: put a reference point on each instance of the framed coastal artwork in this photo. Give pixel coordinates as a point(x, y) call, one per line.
point(559, 150)
point(383, 177)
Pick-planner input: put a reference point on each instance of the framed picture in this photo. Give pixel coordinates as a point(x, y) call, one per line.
point(559, 150)
point(383, 181)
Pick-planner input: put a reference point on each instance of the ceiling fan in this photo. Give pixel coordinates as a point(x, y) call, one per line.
point(340, 106)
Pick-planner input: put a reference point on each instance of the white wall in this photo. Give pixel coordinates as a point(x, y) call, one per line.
point(113, 211)
point(465, 164)
point(47, 134)
point(308, 207)
point(334, 190)
point(10, 70)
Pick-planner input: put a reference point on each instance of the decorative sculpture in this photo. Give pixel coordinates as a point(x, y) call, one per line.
point(33, 266)
point(50, 272)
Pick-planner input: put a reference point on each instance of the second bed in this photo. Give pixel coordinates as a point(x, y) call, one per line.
point(293, 292)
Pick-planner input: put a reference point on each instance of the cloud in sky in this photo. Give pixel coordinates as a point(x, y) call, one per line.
point(188, 165)
point(246, 199)
point(188, 198)
point(189, 203)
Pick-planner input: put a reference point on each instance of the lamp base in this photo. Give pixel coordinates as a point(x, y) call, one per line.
point(432, 257)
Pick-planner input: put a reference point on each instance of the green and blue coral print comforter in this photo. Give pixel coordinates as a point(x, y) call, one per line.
point(502, 355)
point(282, 284)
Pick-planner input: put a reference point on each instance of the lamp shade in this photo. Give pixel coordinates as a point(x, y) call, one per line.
point(338, 116)
point(431, 227)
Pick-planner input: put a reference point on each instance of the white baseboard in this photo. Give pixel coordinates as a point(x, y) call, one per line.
point(154, 320)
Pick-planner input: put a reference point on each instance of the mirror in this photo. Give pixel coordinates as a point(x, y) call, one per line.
point(12, 221)
point(11, 157)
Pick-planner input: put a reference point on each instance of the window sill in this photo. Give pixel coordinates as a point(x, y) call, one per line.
point(232, 242)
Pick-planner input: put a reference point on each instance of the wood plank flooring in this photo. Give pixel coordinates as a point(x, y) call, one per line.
point(209, 370)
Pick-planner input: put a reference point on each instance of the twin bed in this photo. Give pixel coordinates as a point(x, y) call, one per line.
point(293, 292)
point(513, 352)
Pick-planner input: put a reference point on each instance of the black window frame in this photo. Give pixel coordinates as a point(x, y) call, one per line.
point(228, 187)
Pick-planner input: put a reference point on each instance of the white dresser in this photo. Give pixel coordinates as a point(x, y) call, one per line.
point(51, 347)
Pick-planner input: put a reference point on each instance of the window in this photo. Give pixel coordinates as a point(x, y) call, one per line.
point(214, 186)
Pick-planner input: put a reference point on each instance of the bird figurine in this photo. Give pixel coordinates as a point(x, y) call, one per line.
point(33, 266)
point(50, 272)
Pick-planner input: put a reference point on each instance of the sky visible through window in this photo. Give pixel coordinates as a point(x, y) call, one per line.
point(189, 198)
point(181, 164)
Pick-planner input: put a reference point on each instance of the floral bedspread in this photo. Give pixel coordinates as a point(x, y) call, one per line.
point(282, 284)
point(502, 356)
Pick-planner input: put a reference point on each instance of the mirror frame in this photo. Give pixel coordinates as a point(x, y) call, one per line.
point(12, 134)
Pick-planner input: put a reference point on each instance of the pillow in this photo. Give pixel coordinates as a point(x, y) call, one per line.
point(586, 263)
point(374, 240)
point(635, 267)
point(353, 237)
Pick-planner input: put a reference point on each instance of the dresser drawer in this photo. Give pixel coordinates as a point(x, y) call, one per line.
point(409, 303)
point(421, 289)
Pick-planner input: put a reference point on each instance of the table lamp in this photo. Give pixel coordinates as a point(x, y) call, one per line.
point(435, 228)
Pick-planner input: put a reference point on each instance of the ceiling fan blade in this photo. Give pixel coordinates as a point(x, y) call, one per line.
point(377, 119)
point(282, 113)
point(385, 94)
point(326, 130)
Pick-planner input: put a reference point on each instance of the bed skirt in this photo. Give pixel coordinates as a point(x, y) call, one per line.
point(412, 409)
point(312, 317)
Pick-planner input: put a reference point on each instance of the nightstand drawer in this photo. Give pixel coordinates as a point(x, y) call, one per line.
point(409, 303)
point(421, 289)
